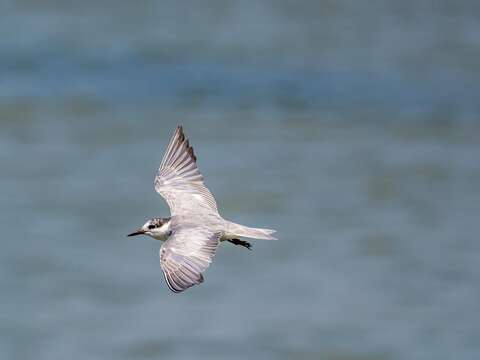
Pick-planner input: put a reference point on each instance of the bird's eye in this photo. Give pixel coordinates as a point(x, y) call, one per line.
point(151, 226)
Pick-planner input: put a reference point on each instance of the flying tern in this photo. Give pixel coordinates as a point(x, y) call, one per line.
point(195, 228)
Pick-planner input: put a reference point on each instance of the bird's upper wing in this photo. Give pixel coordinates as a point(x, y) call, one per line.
point(186, 255)
point(180, 182)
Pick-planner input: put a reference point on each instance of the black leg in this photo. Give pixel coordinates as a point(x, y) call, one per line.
point(241, 242)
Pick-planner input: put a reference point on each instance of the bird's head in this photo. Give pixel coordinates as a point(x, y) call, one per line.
point(158, 228)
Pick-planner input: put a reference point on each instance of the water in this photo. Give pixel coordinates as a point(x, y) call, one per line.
point(351, 128)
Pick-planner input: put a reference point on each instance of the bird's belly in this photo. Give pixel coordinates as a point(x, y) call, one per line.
point(227, 236)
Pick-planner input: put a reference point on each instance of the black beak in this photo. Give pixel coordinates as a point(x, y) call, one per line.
point(138, 232)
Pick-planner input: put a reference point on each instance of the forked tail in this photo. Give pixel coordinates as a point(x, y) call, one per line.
point(245, 231)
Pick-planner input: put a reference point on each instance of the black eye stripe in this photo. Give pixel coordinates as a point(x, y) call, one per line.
point(151, 226)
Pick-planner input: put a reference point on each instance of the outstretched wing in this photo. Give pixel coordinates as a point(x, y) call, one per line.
point(180, 182)
point(186, 255)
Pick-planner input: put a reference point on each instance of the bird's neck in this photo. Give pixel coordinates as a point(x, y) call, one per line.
point(163, 232)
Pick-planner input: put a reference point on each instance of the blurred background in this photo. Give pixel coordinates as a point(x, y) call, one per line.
point(350, 127)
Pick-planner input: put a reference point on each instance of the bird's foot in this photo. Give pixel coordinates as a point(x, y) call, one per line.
point(242, 243)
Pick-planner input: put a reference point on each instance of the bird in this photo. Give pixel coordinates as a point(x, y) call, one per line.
point(194, 230)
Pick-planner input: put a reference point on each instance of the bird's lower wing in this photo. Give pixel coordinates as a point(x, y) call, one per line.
point(186, 255)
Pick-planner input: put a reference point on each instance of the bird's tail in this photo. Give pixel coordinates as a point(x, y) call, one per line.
point(245, 231)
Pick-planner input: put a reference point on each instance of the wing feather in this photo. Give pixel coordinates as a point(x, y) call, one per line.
point(186, 255)
point(179, 180)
